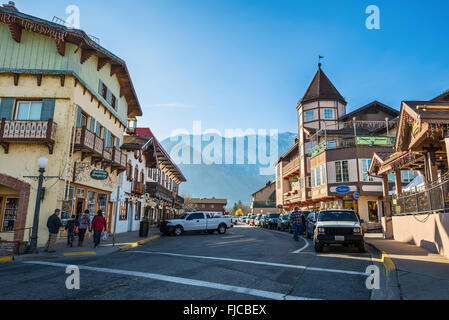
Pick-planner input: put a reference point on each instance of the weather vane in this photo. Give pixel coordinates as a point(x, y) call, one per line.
point(319, 60)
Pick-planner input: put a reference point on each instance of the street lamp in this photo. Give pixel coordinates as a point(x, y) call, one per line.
point(42, 163)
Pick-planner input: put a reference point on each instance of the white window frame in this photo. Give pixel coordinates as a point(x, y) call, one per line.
point(327, 118)
point(306, 115)
point(365, 165)
point(341, 171)
point(29, 109)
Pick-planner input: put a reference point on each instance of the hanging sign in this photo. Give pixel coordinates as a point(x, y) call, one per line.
point(99, 174)
point(343, 189)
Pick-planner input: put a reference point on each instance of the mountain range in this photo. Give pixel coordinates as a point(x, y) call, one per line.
point(214, 166)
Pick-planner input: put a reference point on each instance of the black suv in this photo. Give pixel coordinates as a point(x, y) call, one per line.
point(271, 220)
point(338, 227)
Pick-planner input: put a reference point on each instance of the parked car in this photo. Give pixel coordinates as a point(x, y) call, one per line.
point(257, 221)
point(283, 223)
point(271, 220)
point(244, 219)
point(311, 224)
point(338, 227)
point(195, 221)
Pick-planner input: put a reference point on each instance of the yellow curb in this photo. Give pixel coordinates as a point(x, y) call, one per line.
point(388, 262)
point(6, 259)
point(79, 253)
point(136, 244)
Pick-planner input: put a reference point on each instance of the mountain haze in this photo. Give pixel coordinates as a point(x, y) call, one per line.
point(231, 181)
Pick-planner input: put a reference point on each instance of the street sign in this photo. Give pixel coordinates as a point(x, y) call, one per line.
point(356, 196)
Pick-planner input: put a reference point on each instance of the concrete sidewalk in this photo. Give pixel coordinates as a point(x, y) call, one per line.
point(420, 274)
point(123, 241)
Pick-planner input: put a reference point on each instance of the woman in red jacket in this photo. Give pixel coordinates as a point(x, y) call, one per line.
point(98, 226)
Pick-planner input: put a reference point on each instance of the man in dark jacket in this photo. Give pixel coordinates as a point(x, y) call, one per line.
point(53, 225)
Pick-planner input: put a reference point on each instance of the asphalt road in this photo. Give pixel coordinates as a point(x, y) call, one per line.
point(244, 264)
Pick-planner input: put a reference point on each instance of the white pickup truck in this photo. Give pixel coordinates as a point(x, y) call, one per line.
point(195, 221)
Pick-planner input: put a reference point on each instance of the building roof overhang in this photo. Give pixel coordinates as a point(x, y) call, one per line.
point(18, 21)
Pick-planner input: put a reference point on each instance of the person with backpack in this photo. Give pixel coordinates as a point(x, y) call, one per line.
point(98, 226)
point(84, 225)
point(70, 227)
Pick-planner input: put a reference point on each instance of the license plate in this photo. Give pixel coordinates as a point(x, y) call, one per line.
point(339, 238)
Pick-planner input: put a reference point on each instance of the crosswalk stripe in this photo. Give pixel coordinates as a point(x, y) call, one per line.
point(185, 281)
point(291, 266)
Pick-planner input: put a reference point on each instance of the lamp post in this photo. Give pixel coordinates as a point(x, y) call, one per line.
point(42, 162)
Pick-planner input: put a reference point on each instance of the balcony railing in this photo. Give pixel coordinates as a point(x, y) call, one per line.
point(263, 204)
point(351, 142)
point(292, 167)
point(18, 131)
point(424, 200)
point(138, 188)
point(93, 146)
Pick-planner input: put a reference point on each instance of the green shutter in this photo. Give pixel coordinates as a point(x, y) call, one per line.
point(79, 119)
point(107, 138)
point(98, 129)
point(100, 88)
point(48, 109)
point(118, 143)
point(92, 124)
point(6, 107)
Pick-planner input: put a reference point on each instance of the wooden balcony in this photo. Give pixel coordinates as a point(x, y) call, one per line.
point(291, 168)
point(119, 159)
point(138, 188)
point(87, 142)
point(16, 131)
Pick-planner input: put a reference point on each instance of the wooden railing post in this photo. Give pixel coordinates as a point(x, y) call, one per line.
point(2, 127)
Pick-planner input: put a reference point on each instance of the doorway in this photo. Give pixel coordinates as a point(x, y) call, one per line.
point(79, 207)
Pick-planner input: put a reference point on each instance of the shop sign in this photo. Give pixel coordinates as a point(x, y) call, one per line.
point(356, 196)
point(343, 189)
point(99, 174)
point(293, 179)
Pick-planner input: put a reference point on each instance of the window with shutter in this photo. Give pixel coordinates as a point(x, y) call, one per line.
point(118, 143)
point(48, 109)
point(6, 108)
point(98, 130)
point(79, 113)
point(92, 124)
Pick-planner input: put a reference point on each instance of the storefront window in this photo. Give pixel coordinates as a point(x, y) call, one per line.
point(92, 202)
point(103, 203)
point(373, 212)
point(68, 203)
point(10, 214)
point(80, 193)
point(123, 210)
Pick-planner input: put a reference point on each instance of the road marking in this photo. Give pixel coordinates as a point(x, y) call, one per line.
point(7, 259)
point(307, 244)
point(185, 281)
point(388, 263)
point(71, 254)
point(297, 251)
point(291, 266)
point(232, 237)
point(234, 241)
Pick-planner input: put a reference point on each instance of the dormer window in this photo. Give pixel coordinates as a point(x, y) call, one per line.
point(132, 125)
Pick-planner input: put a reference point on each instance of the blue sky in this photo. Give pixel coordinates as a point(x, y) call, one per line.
point(246, 64)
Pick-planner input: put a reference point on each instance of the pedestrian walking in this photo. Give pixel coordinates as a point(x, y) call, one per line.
point(71, 225)
point(295, 220)
point(84, 225)
point(53, 225)
point(98, 226)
